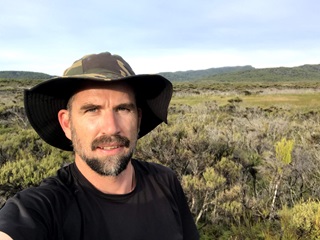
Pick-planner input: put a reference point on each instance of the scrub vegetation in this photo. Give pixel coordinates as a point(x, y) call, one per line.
point(247, 153)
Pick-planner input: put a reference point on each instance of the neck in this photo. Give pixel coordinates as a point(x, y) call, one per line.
point(121, 184)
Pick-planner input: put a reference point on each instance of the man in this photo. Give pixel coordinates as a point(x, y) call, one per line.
point(99, 109)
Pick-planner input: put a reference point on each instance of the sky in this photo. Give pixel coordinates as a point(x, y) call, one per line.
point(159, 35)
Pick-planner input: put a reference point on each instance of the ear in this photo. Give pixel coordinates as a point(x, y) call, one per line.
point(64, 120)
point(139, 118)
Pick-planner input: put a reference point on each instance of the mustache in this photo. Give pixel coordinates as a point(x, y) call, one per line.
point(110, 139)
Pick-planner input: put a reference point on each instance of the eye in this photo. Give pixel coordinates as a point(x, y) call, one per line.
point(124, 109)
point(93, 109)
point(90, 108)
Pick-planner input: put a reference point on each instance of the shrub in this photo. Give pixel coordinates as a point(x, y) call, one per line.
point(302, 221)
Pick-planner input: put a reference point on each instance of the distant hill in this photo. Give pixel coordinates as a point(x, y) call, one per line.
point(248, 74)
point(23, 75)
point(192, 75)
point(223, 74)
point(280, 74)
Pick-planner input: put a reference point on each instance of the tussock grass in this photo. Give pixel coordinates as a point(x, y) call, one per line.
point(304, 100)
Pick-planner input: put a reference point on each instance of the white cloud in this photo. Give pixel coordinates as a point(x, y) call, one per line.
point(47, 36)
point(179, 61)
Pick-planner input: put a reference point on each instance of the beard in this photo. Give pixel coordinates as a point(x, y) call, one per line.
point(108, 165)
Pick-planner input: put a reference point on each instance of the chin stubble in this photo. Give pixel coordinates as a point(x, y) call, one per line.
point(108, 166)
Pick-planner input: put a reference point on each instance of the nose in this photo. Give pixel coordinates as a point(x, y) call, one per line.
point(110, 124)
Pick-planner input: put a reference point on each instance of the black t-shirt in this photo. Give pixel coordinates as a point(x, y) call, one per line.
point(69, 207)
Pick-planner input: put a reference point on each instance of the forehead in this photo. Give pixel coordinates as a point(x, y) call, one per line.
point(95, 89)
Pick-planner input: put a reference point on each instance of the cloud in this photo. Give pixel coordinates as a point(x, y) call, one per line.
point(196, 60)
point(48, 36)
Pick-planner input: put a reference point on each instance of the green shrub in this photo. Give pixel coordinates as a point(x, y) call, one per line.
point(29, 171)
point(302, 221)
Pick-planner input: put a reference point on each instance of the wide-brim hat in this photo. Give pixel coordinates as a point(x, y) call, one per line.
point(43, 101)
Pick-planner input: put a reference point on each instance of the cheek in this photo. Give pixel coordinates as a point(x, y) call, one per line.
point(129, 127)
point(83, 131)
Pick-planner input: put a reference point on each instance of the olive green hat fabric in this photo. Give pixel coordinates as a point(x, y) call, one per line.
point(45, 100)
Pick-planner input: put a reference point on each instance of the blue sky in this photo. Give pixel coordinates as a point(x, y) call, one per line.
point(159, 35)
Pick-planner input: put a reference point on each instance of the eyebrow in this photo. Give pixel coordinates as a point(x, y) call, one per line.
point(87, 106)
point(127, 105)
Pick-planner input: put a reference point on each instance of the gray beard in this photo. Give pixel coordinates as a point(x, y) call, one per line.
point(108, 166)
point(112, 166)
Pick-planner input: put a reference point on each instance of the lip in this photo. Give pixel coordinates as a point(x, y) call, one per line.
point(111, 149)
point(110, 143)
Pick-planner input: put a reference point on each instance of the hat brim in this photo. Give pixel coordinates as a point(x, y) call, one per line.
point(44, 101)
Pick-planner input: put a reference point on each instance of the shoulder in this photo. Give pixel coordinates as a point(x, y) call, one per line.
point(64, 181)
point(152, 168)
point(53, 191)
point(41, 207)
point(155, 173)
point(55, 186)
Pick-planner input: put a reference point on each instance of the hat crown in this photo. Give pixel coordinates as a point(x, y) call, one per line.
point(102, 65)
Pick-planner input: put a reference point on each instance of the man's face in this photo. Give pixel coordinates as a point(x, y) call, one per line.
point(103, 126)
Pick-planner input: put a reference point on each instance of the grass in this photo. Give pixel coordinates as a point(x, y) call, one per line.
point(305, 101)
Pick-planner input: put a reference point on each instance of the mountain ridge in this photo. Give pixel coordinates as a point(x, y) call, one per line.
point(308, 72)
point(221, 74)
point(204, 73)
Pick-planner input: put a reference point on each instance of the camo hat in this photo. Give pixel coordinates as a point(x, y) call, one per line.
point(44, 101)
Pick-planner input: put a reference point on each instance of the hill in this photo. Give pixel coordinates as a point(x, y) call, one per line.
point(223, 74)
point(249, 74)
point(280, 74)
point(192, 75)
point(23, 75)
